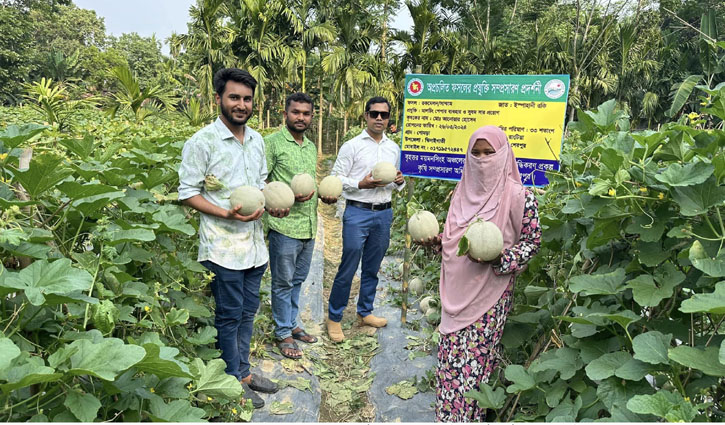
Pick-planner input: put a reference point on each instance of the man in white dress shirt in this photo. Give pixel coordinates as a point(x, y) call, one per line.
point(231, 245)
point(368, 216)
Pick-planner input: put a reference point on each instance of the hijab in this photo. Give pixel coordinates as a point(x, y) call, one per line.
point(490, 189)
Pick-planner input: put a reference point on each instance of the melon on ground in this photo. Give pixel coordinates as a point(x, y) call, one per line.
point(330, 187)
point(385, 172)
point(485, 241)
point(302, 184)
point(423, 225)
point(278, 196)
point(416, 285)
point(427, 303)
point(249, 197)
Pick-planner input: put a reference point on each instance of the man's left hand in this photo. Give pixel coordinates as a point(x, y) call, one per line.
point(278, 212)
point(304, 198)
point(399, 178)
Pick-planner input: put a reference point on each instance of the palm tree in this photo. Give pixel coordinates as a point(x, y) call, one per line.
point(207, 45)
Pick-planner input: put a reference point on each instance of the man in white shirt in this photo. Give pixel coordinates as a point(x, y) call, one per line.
point(368, 216)
point(231, 245)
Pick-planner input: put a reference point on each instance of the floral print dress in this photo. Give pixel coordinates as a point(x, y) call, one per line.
point(467, 357)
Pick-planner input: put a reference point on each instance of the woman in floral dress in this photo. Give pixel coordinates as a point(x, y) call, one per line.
point(476, 296)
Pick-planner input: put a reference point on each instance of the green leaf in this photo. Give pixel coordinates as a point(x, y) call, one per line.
point(599, 284)
point(721, 355)
point(174, 222)
point(8, 351)
point(697, 199)
point(44, 173)
point(281, 408)
point(706, 361)
point(202, 336)
point(564, 360)
point(714, 267)
point(681, 92)
point(606, 365)
point(105, 359)
point(132, 235)
point(599, 187)
point(462, 246)
point(83, 148)
point(42, 279)
point(686, 175)
point(404, 389)
point(520, 377)
point(83, 406)
point(177, 317)
point(633, 370)
point(15, 135)
point(161, 361)
point(651, 347)
point(176, 411)
point(663, 404)
point(616, 392)
point(488, 398)
point(28, 370)
point(624, 317)
point(647, 293)
point(211, 379)
point(706, 303)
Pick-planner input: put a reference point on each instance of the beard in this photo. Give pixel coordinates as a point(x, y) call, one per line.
point(293, 129)
point(228, 115)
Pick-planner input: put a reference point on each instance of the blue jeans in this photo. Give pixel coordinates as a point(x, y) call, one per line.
point(366, 236)
point(236, 294)
point(289, 263)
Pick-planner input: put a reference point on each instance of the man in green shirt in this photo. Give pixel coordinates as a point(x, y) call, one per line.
point(291, 238)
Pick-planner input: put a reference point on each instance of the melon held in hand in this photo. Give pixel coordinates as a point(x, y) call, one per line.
point(249, 197)
point(278, 196)
point(385, 172)
point(423, 226)
point(302, 184)
point(330, 187)
point(482, 241)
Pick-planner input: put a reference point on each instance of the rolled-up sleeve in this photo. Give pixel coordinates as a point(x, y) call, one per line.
point(342, 167)
point(194, 158)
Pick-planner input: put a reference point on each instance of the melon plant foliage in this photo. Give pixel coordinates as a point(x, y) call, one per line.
point(103, 310)
point(620, 316)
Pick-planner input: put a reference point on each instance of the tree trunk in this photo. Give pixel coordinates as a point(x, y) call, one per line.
point(261, 115)
point(319, 127)
point(337, 140)
point(344, 124)
point(267, 118)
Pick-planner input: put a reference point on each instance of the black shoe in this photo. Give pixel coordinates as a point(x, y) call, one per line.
point(257, 401)
point(262, 384)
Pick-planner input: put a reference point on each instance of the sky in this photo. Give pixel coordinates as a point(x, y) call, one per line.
point(162, 17)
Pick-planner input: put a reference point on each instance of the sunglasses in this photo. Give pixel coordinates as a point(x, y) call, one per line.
point(382, 114)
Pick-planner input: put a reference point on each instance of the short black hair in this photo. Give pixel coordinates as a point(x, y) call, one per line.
point(235, 74)
point(297, 97)
point(376, 99)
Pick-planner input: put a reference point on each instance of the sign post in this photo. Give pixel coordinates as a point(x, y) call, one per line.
point(442, 111)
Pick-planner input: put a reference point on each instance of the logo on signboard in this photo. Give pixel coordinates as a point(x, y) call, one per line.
point(415, 87)
point(554, 89)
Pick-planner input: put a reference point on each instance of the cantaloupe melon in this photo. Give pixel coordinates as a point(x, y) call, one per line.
point(485, 240)
point(330, 187)
point(427, 303)
point(249, 197)
point(385, 172)
point(302, 184)
point(278, 196)
point(423, 225)
point(416, 285)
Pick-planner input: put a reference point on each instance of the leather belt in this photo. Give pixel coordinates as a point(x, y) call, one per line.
point(369, 206)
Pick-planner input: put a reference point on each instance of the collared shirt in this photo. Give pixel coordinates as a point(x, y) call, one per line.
point(285, 159)
point(214, 150)
point(356, 159)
